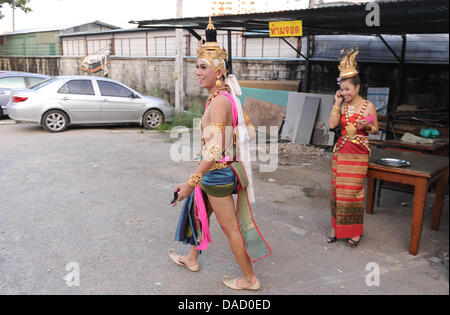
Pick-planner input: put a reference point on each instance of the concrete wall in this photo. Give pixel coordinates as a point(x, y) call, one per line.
point(42, 65)
point(426, 85)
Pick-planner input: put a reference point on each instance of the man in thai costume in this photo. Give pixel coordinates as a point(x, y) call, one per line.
point(224, 169)
point(358, 118)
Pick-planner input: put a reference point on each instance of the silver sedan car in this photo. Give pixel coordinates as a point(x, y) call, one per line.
point(10, 80)
point(73, 100)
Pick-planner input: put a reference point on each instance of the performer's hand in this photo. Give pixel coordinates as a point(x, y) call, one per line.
point(364, 125)
point(338, 98)
point(184, 191)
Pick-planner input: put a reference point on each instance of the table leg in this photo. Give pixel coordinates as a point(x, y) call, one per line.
point(371, 183)
point(439, 199)
point(420, 197)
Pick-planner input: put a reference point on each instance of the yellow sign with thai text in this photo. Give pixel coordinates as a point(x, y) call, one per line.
point(286, 28)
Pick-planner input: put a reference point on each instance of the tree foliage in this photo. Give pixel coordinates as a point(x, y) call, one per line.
point(19, 4)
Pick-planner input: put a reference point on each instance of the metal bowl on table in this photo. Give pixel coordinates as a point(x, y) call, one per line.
point(393, 162)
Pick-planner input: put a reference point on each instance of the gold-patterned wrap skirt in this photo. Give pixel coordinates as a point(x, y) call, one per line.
point(348, 172)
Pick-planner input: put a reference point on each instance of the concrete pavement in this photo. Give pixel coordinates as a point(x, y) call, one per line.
point(99, 198)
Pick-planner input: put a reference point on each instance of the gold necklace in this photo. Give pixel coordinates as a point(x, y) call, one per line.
point(214, 94)
point(351, 127)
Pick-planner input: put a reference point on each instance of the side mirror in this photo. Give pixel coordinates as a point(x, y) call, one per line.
point(134, 95)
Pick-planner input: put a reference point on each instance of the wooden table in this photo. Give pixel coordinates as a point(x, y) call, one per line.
point(424, 170)
point(439, 147)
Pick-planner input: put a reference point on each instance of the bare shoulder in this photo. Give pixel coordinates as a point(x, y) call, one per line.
point(370, 106)
point(221, 103)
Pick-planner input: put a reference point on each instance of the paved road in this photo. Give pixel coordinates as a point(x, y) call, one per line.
point(98, 197)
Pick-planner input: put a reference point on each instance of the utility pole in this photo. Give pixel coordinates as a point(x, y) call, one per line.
point(179, 63)
point(13, 15)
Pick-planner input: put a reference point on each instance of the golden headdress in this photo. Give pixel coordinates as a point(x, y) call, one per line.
point(211, 51)
point(348, 63)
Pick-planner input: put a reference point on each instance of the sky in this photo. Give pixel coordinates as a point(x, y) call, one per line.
point(49, 13)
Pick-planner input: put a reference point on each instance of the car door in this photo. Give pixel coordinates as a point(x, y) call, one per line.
point(8, 83)
point(118, 103)
point(79, 99)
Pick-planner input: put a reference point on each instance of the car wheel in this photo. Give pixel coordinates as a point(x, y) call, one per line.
point(1, 113)
point(153, 119)
point(55, 121)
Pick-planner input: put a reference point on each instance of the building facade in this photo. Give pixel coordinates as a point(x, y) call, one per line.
point(44, 41)
point(222, 7)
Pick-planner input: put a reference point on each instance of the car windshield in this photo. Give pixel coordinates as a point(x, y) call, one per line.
point(41, 84)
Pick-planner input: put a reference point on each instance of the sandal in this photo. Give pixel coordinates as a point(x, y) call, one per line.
point(353, 243)
point(176, 259)
point(232, 284)
point(331, 240)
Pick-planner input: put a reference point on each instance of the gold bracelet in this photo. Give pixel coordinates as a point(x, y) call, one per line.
point(336, 111)
point(373, 129)
point(195, 180)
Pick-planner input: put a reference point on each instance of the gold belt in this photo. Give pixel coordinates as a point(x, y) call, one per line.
point(356, 139)
point(217, 166)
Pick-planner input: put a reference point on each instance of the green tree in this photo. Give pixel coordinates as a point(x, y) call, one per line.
point(19, 4)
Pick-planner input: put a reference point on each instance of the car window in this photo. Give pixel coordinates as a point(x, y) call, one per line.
point(41, 84)
point(12, 83)
point(33, 80)
point(80, 87)
point(113, 89)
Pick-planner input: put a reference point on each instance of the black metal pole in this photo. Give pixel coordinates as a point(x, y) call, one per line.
point(307, 85)
point(230, 56)
point(401, 77)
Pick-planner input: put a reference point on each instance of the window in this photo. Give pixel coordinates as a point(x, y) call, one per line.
point(81, 87)
point(113, 89)
point(12, 83)
point(41, 84)
point(33, 81)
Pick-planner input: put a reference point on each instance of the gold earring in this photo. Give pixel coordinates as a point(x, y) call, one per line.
point(218, 82)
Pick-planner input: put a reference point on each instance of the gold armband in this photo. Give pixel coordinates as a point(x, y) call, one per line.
point(217, 128)
point(214, 153)
point(336, 111)
point(195, 180)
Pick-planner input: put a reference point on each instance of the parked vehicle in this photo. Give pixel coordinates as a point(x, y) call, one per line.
point(15, 80)
point(73, 100)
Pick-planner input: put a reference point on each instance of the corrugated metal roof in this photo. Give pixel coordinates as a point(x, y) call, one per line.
point(55, 28)
point(397, 17)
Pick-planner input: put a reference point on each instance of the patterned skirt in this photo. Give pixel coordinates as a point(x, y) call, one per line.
point(194, 230)
point(349, 170)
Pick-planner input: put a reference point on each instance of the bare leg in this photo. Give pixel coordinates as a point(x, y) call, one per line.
point(225, 213)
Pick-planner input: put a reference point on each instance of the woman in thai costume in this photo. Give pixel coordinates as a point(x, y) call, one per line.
point(358, 118)
point(224, 169)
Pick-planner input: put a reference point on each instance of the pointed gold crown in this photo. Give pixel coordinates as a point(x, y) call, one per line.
point(210, 49)
point(348, 64)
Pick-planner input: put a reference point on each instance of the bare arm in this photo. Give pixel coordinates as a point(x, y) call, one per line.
point(335, 115)
point(369, 127)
